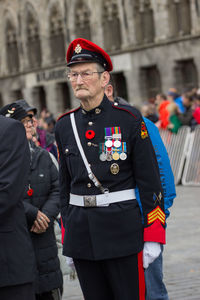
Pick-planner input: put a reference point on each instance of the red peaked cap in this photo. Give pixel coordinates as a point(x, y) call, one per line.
point(83, 51)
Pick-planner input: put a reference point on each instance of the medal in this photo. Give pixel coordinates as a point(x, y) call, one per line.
point(117, 143)
point(108, 137)
point(123, 155)
point(109, 156)
point(102, 153)
point(103, 156)
point(114, 169)
point(115, 156)
point(116, 134)
point(108, 143)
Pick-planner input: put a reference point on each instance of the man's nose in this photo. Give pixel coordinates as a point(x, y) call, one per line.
point(79, 79)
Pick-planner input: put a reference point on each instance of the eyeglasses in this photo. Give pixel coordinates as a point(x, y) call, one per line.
point(87, 75)
point(27, 122)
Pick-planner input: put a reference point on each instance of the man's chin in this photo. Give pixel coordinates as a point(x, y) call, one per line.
point(81, 94)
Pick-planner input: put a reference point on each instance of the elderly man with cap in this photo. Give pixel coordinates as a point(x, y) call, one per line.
point(17, 263)
point(105, 151)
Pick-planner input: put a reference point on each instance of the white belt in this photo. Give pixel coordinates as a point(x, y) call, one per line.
point(102, 199)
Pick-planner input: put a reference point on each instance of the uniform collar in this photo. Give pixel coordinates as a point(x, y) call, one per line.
point(104, 105)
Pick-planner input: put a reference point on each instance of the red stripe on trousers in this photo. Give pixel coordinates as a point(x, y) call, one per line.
point(141, 276)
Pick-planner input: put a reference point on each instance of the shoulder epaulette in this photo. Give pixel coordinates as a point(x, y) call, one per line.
point(68, 112)
point(128, 108)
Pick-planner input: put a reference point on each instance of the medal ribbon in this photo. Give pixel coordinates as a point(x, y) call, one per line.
point(108, 133)
point(124, 147)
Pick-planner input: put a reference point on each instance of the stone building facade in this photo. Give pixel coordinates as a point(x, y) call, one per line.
point(154, 45)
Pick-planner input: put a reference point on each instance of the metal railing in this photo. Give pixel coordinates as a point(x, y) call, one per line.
point(191, 172)
point(184, 153)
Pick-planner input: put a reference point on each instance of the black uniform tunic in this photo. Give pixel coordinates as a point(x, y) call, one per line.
point(97, 233)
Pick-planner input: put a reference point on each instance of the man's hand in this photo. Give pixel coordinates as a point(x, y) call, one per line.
point(41, 223)
point(70, 263)
point(150, 252)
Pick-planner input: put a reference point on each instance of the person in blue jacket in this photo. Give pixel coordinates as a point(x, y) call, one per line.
point(155, 287)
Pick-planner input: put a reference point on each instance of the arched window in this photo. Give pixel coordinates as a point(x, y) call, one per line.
point(179, 17)
point(148, 22)
point(82, 21)
point(57, 42)
point(33, 41)
point(111, 25)
point(137, 16)
point(144, 22)
point(12, 48)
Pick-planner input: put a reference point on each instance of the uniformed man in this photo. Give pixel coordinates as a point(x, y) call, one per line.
point(105, 151)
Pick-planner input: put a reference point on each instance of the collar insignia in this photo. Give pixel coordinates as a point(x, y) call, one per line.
point(144, 133)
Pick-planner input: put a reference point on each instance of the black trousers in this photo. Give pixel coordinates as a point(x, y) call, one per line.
point(18, 292)
point(51, 295)
point(112, 279)
point(55, 294)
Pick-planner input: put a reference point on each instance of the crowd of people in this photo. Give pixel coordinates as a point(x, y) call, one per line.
point(167, 111)
point(174, 110)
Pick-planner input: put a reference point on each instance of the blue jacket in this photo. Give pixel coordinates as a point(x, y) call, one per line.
point(166, 175)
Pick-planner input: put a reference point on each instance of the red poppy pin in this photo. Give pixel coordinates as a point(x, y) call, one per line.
point(90, 134)
point(30, 192)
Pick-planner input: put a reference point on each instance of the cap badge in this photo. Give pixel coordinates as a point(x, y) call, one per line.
point(10, 112)
point(78, 49)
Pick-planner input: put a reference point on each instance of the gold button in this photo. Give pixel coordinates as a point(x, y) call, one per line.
point(89, 144)
point(90, 123)
point(97, 111)
point(66, 151)
point(89, 185)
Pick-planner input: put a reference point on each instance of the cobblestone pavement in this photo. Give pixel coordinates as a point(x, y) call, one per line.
point(182, 253)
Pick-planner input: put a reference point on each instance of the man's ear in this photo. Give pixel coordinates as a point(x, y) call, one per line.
point(105, 78)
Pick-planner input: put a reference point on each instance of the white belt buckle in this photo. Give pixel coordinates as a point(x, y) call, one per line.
point(89, 201)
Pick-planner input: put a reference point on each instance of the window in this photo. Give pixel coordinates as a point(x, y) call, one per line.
point(63, 95)
point(186, 75)
point(1, 101)
point(33, 41)
point(82, 21)
point(179, 17)
point(57, 42)
point(150, 82)
point(111, 25)
point(16, 95)
point(144, 22)
point(120, 86)
point(12, 48)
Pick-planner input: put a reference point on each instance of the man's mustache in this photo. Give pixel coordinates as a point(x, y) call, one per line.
point(81, 88)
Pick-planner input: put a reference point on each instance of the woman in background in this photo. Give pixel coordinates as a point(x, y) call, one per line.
point(41, 203)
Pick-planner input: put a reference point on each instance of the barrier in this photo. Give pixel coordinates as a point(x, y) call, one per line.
point(176, 145)
point(191, 173)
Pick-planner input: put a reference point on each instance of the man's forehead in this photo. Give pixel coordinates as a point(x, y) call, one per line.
point(83, 67)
